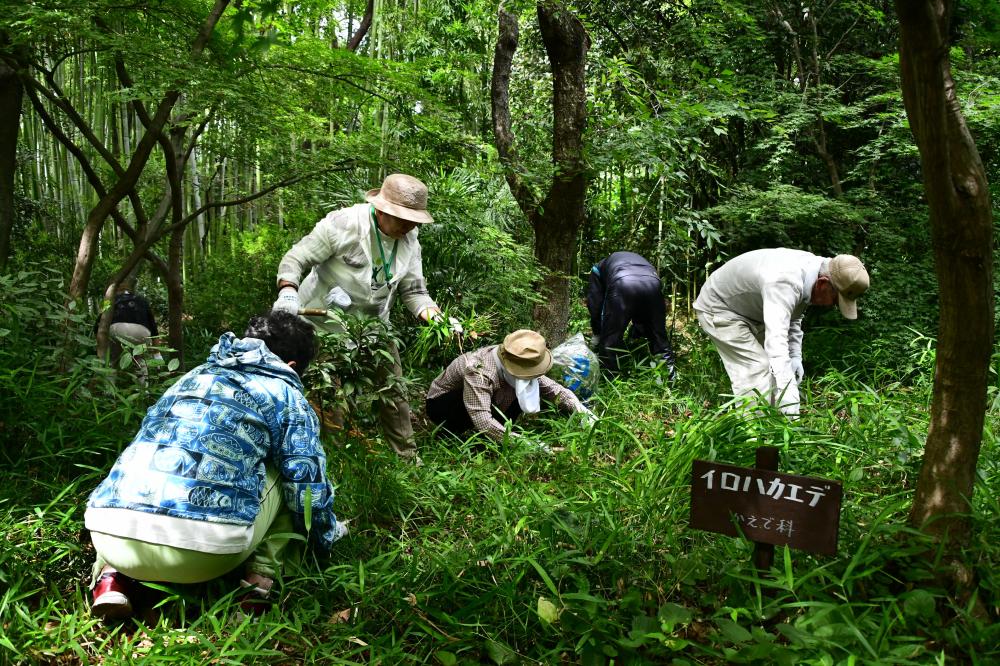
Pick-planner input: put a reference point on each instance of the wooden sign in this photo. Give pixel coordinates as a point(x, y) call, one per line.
point(801, 512)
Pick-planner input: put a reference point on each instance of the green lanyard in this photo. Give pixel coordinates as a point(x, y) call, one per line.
point(386, 265)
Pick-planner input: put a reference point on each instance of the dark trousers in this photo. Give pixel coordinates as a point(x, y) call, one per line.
point(640, 302)
point(448, 411)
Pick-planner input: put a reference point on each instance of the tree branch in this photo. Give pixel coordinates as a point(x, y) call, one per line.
point(503, 60)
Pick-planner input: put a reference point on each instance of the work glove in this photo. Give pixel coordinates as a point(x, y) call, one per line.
point(533, 446)
point(594, 340)
point(288, 301)
point(337, 298)
point(797, 368)
point(453, 323)
point(788, 401)
point(589, 417)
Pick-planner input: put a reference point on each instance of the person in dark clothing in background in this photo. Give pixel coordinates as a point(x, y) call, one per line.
point(624, 288)
point(132, 321)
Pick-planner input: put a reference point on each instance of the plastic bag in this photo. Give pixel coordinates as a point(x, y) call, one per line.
point(576, 366)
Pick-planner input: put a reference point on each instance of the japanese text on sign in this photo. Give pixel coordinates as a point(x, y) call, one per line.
point(765, 506)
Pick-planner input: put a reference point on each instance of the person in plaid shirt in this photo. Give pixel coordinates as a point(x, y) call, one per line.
point(481, 387)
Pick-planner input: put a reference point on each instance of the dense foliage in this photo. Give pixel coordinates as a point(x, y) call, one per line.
point(494, 554)
point(714, 127)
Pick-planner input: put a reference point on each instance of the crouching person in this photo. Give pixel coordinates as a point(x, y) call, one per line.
point(480, 387)
point(224, 465)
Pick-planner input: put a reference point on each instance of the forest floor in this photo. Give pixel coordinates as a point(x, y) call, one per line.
point(495, 554)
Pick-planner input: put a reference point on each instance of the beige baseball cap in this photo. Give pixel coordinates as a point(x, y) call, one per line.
point(525, 355)
point(402, 196)
point(849, 276)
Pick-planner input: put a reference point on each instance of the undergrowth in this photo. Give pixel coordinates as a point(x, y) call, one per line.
point(494, 554)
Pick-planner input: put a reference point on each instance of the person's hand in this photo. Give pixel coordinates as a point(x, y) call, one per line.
point(589, 417)
point(594, 340)
point(534, 446)
point(797, 368)
point(456, 326)
point(337, 298)
point(288, 301)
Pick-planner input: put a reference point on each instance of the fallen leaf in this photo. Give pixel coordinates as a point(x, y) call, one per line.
point(341, 616)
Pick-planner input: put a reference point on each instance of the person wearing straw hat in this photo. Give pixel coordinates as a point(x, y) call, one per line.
point(481, 387)
point(360, 259)
point(752, 307)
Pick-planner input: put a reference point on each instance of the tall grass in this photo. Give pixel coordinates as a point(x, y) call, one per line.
point(495, 554)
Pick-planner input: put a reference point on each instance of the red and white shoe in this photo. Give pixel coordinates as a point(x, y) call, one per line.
point(111, 597)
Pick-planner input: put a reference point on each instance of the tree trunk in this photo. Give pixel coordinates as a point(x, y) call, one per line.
point(11, 94)
point(127, 181)
point(354, 41)
point(558, 218)
point(562, 214)
point(962, 235)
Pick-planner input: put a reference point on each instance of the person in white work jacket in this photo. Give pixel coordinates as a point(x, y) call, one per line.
point(752, 307)
point(360, 259)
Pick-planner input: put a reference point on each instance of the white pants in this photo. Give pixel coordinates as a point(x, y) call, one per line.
point(135, 334)
point(741, 347)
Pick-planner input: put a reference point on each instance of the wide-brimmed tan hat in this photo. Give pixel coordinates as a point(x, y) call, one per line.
point(525, 355)
point(402, 196)
point(849, 276)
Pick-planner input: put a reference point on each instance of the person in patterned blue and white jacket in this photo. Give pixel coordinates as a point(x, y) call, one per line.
point(224, 466)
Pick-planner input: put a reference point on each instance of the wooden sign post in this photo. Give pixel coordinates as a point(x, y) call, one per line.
point(768, 507)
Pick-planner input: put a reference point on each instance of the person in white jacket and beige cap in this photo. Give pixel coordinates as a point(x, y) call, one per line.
point(752, 307)
point(360, 259)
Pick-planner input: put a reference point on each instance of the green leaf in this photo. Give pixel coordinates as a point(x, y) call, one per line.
point(731, 631)
point(500, 653)
point(446, 658)
point(671, 615)
point(173, 365)
point(547, 611)
point(919, 604)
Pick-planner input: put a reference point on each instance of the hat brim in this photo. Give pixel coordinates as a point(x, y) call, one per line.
point(522, 371)
point(374, 197)
point(848, 307)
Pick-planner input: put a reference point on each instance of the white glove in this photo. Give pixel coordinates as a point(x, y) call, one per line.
point(337, 298)
point(288, 300)
point(589, 417)
point(456, 326)
point(797, 368)
point(594, 340)
point(788, 401)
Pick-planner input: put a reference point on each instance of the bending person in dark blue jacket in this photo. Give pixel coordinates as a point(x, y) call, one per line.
point(625, 288)
point(225, 465)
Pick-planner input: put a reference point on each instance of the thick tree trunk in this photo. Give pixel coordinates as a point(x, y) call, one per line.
point(563, 213)
point(11, 94)
point(962, 233)
point(557, 219)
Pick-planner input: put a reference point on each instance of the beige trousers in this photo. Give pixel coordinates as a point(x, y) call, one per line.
point(741, 346)
point(268, 549)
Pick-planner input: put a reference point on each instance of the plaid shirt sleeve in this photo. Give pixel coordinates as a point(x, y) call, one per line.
point(559, 394)
point(479, 379)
